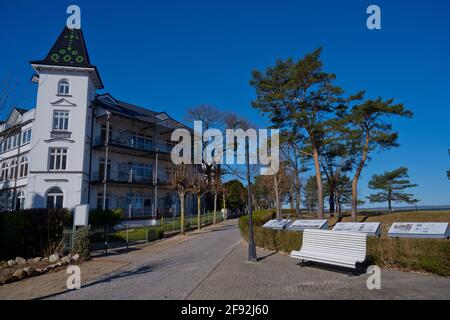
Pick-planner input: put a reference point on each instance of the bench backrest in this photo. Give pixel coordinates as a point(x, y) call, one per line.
point(335, 242)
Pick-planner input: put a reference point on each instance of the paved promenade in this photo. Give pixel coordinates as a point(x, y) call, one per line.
point(278, 276)
point(211, 264)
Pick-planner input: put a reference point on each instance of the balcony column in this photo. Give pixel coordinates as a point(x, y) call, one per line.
point(155, 184)
point(105, 172)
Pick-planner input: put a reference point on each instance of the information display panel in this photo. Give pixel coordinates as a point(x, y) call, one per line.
point(277, 224)
point(434, 230)
point(370, 228)
point(299, 225)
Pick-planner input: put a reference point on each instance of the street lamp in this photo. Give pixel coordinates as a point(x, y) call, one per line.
point(251, 241)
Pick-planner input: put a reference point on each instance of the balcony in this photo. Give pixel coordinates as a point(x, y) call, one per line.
point(128, 177)
point(123, 177)
point(133, 144)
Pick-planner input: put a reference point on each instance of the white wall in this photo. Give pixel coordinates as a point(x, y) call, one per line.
point(74, 180)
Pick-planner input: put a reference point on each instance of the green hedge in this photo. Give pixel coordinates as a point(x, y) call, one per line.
point(33, 232)
point(100, 218)
point(425, 255)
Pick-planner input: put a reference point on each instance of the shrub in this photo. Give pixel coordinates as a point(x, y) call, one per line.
point(32, 232)
point(81, 243)
point(100, 218)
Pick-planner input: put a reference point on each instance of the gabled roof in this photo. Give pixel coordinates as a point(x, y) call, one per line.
point(107, 102)
point(21, 110)
point(69, 50)
point(14, 117)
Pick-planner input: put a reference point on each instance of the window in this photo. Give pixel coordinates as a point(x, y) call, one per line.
point(100, 201)
point(60, 120)
point(15, 141)
point(23, 170)
point(10, 142)
point(13, 170)
point(101, 169)
point(20, 200)
point(64, 87)
point(58, 159)
point(55, 199)
point(26, 136)
point(4, 172)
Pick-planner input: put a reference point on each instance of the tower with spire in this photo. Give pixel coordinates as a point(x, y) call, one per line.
point(67, 84)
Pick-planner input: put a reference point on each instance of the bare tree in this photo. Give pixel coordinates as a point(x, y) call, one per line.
point(7, 96)
point(180, 180)
point(211, 118)
point(198, 186)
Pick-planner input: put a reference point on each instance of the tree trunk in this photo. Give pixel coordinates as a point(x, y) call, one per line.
point(224, 203)
point(331, 199)
point(199, 212)
point(297, 201)
point(277, 196)
point(389, 199)
point(320, 213)
point(356, 178)
point(182, 213)
point(291, 199)
point(215, 208)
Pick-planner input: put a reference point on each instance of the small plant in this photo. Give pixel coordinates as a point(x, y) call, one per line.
point(81, 243)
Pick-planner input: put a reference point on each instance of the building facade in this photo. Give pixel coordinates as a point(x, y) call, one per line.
point(80, 147)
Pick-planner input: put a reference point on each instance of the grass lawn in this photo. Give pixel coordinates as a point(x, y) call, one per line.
point(152, 233)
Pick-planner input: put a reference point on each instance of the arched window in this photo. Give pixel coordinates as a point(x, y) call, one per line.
point(23, 170)
point(4, 172)
point(13, 170)
point(20, 200)
point(55, 198)
point(63, 87)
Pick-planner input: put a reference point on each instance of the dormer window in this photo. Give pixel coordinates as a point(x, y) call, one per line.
point(64, 87)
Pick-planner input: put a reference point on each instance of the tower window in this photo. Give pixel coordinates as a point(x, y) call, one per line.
point(63, 87)
point(58, 159)
point(60, 120)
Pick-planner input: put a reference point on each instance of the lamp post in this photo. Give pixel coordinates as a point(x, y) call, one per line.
point(251, 241)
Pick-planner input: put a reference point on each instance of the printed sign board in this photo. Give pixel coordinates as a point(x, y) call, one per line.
point(81, 215)
point(299, 225)
point(276, 224)
point(370, 228)
point(437, 230)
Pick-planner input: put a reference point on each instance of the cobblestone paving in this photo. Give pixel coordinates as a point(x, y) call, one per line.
point(171, 273)
point(278, 276)
point(211, 264)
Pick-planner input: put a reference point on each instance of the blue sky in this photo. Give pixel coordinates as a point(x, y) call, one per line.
point(171, 55)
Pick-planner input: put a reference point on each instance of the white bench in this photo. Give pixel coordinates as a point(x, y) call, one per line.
point(344, 249)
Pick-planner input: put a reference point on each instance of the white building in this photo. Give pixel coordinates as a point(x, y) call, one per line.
point(77, 146)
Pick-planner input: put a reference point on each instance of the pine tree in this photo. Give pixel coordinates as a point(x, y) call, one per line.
point(300, 96)
point(392, 184)
point(369, 130)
